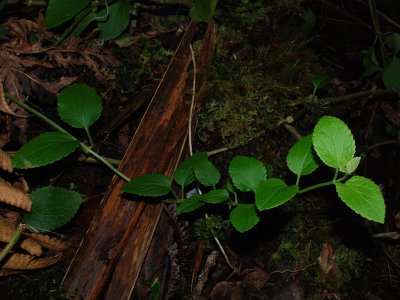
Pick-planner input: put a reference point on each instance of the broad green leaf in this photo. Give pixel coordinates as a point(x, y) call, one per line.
point(333, 142)
point(320, 80)
point(393, 41)
point(79, 105)
point(351, 166)
point(300, 159)
point(44, 149)
point(52, 207)
point(246, 173)
point(215, 196)
point(81, 22)
point(370, 62)
point(118, 19)
point(205, 172)
point(309, 22)
point(203, 10)
point(274, 192)
point(364, 197)
point(189, 205)
point(390, 75)
point(244, 217)
point(60, 11)
point(184, 174)
point(148, 185)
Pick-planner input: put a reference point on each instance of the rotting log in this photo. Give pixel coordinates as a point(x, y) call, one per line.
point(111, 256)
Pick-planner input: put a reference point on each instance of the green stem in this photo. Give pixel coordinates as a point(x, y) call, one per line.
point(85, 148)
point(36, 113)
point(100, 158)
point(14, 239)
point(298, 180)
point(319, 185)
point(316, 186)
point(89, 137)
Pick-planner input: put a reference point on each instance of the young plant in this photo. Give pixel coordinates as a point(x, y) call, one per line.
point(331, 141)
point(111, 19)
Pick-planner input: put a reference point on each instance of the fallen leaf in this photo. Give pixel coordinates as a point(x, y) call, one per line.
point(5, 162)
point(327, 262)
point(19, 261)
point(30, 245)
point(13, 196)
point(227, 291)
point(255, 277)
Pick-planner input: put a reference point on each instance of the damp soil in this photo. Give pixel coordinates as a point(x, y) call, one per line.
point(260, 75)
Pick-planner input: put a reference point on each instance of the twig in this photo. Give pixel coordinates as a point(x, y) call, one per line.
point(210, 263)
point(191, 149)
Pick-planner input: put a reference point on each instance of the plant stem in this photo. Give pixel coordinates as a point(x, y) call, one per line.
point(319, 185)
point(316, 186)
point(36, 113)
point(84, 147)
point(100, 158)
point(89, 137)
point(14, 239)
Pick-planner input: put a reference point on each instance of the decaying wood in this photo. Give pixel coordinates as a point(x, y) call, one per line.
point(112, 254)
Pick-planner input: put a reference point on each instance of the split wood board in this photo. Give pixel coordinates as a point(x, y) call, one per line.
point(109, 259)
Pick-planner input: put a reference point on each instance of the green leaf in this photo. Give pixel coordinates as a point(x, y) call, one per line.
point(81, 22)
point(118, 19)
point(52, 207)
point(393, 41)
point(390, 76)
point(309, 22)
point(184, 174)
point(44, 149)
point(333, 142)
point(152, 185)
point(300, 159)
point(364, 197)
point(60, 11)
point(246, 173)
point(274, 192)
point(205, 172)
point(370, 62)
point(319, 81)
point(351, 166)
point(189, 205)
point(203, 10)
point(244, 217)
point(215, 196)
point(79, 105)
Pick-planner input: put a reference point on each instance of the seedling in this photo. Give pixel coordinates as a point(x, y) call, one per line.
point(331, 142)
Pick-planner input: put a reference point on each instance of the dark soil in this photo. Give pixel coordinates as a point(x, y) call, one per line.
point(261, 74)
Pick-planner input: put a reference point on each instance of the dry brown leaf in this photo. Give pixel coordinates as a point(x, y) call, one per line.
point(48, 242)
point(29, 244)
point(56, 86)
point(327, 262)
point(5, 130)
point(5, 162)
point(13, 196)
point(19, 261)
point(4, 272)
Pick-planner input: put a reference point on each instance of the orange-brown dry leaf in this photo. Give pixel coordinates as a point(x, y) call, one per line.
point(19, 261)
point(22, 185)
point(13, 196)
point(6, 129)
point(327, 262)
point(4, 272)
point(48, 242)
point(30, 245)
point(5, 162)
